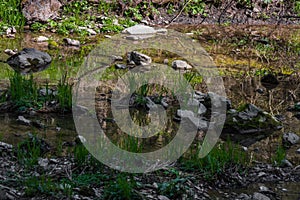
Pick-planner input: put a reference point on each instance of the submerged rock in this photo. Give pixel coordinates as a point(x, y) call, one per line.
point(29, 60)
point(249, 125)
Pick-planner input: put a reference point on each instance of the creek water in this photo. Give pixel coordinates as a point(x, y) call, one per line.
point(243, 89)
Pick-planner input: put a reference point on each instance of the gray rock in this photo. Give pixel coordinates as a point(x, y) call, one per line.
point(44, 92)
point(185, 113)
point(164, 102)
point(243, 197)
point(40, 10)
point(260, 196)
point(298, 151)
point(23, 120)
point(150, 104)
point(139, 29)
point(5, 146)
point(202, 109)
point(199, 123)
point(29, 60)
point(181, 64)
point(43, 162)
point(290, 138)
point(72, 42)
point(138, 58)
point(162, 197)
point(286, 163)
point(120, 66)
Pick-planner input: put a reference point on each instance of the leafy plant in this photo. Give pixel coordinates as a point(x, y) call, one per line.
point(195, 7)
point(174, 188)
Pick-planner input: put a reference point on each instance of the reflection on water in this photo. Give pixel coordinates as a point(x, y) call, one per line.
point(58, 128)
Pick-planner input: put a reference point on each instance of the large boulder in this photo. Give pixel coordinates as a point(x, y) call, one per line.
point(40, 10)
point(29, 60)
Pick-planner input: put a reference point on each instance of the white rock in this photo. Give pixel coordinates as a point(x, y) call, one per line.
point(139, 29)
point(72, 42)
point(91, 31)
point(41, 39)
point(181, 64)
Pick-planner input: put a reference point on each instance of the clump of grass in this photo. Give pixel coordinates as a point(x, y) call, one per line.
point(23, 91)
point(122, 188)
point(10, 13)
point(39, 185)
point(28, 152)
point(279, 156)
point(221, 156)
point(64, 94)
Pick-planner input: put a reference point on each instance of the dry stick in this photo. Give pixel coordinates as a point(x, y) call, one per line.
point(174, 18)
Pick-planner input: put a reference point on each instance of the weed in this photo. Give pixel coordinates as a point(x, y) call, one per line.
point(64, 94)
point(81, 155)
point(39, 185)
point(29, 151)
point(131, 144)
point(195, 7)
point(122, 188)
point(37, 26)
point(279, 155)
point(174, 188)
point(297, 7)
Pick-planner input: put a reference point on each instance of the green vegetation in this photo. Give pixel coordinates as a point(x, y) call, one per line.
point(122, 188)
point(64, 94)
point(29, 151)
point(222, 156)
point(174, 188)
point(23, 91)
point(10, 14)
point(279, 156)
